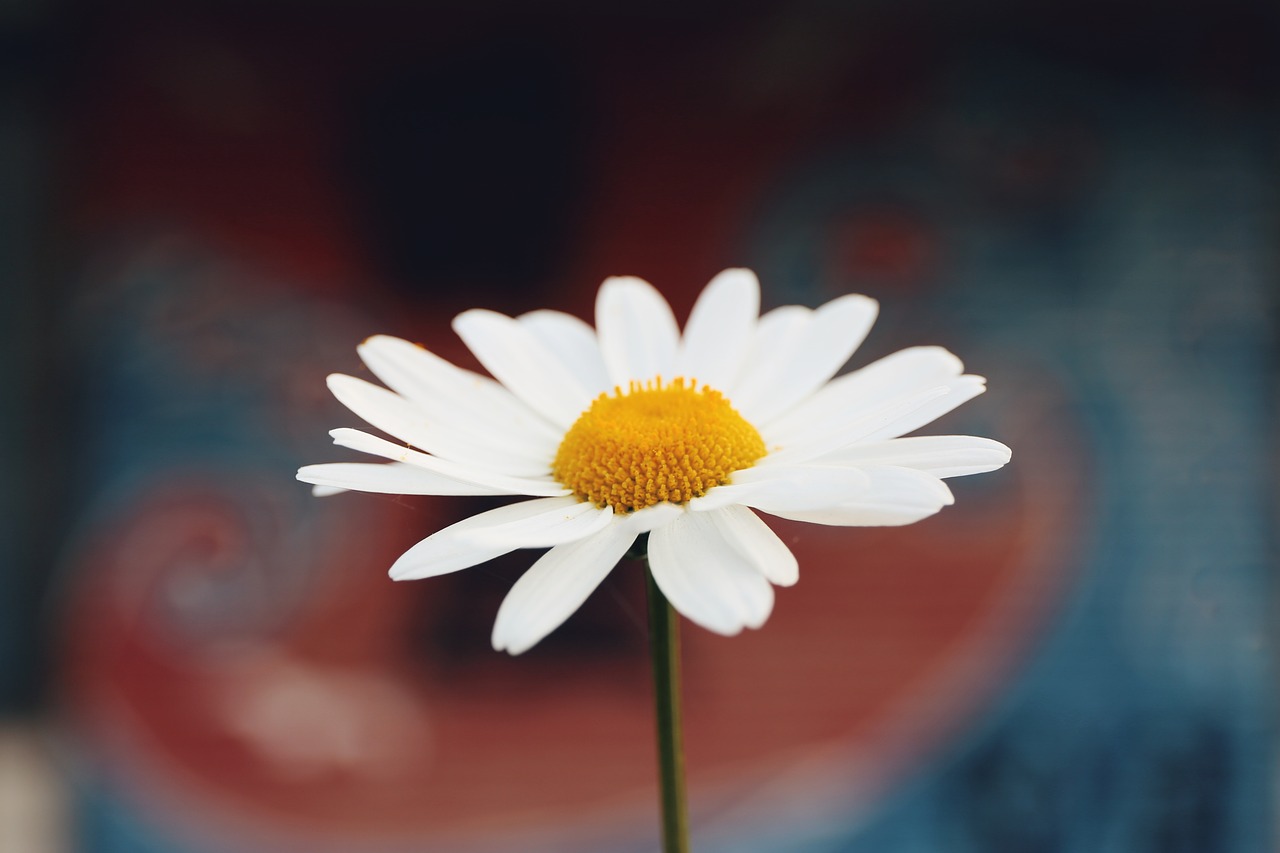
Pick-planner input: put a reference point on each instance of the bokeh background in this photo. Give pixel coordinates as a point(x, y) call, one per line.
point(206, 206)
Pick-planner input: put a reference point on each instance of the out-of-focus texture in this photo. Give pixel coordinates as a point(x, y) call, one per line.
point(211, 206)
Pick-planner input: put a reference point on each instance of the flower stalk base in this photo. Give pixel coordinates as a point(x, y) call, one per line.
point(664, 648)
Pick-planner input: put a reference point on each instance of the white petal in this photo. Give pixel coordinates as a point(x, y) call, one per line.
point(519, 360)
point(449, 549)
point(319, 491)
point(788, 366)
point(365, 443)
point(390, 478)
point(901, 374)
point(897, 496)
point(721, 326)
point(447, 392)
point(962, 390)
point(637, 331)
point(384, 409)
point(650, 518)
point(556, 586)
point(779, 330)
point(706, 578)
point(564, 520)
point(783, 487)
point(832, 434)
point(464, 442)
point(574, 342)
point(939, 455)
point(758, 544)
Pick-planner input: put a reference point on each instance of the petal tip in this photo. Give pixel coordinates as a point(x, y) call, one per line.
point(383, 342)
point(400, 573)
point(505, 644)
point(337, 380)
point(864, 302)
point(615, 281)
point(739, 275)
point(468, 319)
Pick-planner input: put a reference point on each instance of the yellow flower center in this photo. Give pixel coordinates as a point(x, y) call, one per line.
point(653, 443)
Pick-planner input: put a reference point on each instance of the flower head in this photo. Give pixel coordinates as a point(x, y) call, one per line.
point(633, 428)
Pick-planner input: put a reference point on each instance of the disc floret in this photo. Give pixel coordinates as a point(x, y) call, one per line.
point(655, 442)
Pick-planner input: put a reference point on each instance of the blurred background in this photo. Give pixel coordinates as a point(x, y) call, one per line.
point(206, 206)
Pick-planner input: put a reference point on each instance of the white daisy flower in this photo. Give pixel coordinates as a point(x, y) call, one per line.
point(633, 428)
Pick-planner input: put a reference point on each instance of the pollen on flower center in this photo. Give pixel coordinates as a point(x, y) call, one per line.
point(653, 443)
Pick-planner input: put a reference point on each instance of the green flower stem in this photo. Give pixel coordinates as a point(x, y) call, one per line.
point(664, 648)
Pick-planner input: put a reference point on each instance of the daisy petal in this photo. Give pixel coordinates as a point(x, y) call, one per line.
point(756, 542)
point(384, 409)
point(390, 478)
point(833, 434)
point(519, 360)
point(782, 487)
point(706, 578)
point(961, 391)
point(791, 363)
point(564, 520)
point(902, 374)
point(449, 550)
point(556, 586)
point(897, 496)
point(777, 331)
point(574, 342)
point(649, 518)
point(405, 420)
point(637, 331)
point(718, 335)
point(500, 484)
point(939, 455)
point(447, 392)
